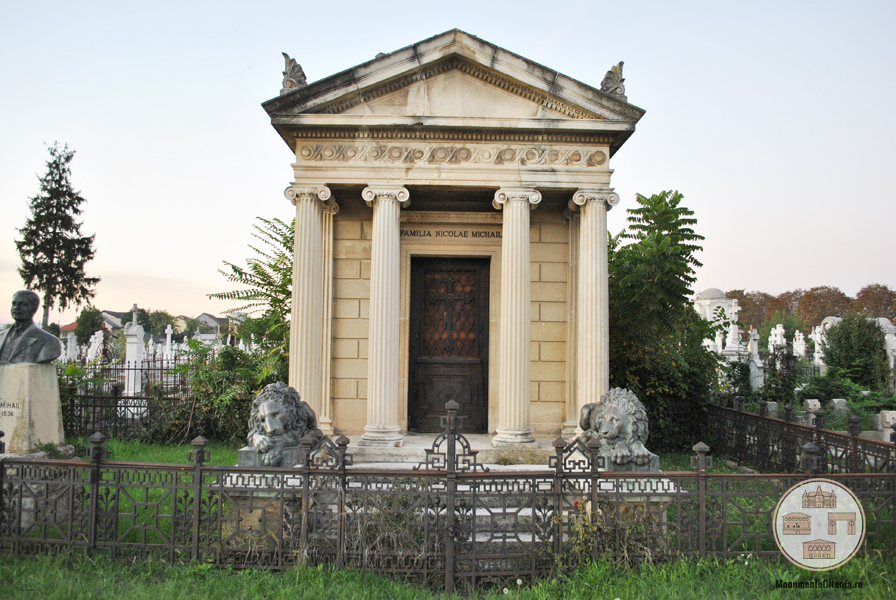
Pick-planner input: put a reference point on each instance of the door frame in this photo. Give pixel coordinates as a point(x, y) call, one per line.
point(486, 248)
point(461, 263)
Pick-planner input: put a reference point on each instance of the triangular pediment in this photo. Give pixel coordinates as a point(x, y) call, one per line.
point(453, 75)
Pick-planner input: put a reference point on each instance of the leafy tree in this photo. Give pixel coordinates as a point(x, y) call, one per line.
point(89, 321)
point(142, 318)
point(820, 302)
point(876, 300)
point(856, 347)
point(656, 337)
point(53, 328)
point(52, 249)
point(267, 289)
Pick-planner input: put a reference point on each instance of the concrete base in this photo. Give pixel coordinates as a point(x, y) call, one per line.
point(413, 450)
point(30, 412)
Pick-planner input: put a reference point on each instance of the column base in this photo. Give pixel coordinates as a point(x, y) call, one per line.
point(570, 431)
point(326, 426)
point(382, 437)
point(513, 438)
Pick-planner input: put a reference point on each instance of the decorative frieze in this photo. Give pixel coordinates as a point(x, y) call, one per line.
point(522, 155)
point(473, 135)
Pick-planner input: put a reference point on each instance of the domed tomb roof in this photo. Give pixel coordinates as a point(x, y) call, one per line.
point(712, 294)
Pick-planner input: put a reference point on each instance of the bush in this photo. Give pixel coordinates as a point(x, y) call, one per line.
point(856, 346)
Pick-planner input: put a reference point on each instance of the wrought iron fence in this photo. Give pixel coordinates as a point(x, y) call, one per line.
point(122, 417)
point(162, 374)
point(448, 522)
point(775, 445)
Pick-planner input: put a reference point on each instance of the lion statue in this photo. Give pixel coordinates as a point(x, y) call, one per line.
point(279, 420)
point(619, 423)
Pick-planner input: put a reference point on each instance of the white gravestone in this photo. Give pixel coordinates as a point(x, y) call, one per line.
point(838, 405)
point(30, 412)
point(811, 405)
point(799, 344)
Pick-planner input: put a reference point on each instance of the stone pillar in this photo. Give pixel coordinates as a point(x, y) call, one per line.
point(513, 383)
point(307, 302)
point(593, 310)
point(325, 416)
point(385, 274)
point(571, 427)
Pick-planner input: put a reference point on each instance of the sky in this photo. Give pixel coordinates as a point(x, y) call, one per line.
point(774, 119)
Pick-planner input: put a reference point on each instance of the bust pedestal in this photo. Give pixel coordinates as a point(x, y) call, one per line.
point(30, 412)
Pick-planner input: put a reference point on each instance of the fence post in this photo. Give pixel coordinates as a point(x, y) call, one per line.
point(822, 451)
point(853, 429)
point(451, 487)
point(699, 462)
point(763, 408)
point(197, 456)
point(2, 473)
point(892, 466)
point(96, 453)
point(559, 446)
point(739, 403)
point(306, 442)
point(594, 449)
point(788, 413)
point(810, 460)
point(341, 446)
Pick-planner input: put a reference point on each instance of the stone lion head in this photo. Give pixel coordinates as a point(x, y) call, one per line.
point(279, 419)
point(619, 423)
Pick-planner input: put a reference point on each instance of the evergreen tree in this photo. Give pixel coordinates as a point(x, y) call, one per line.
point(52, 249)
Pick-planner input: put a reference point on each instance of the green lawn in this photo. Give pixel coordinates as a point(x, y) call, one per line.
point(133, 451)
point(70, 577)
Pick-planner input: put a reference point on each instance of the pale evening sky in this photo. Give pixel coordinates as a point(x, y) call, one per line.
point(774, 119)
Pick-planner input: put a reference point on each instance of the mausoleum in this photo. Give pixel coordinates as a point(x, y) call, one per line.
point(451, 239)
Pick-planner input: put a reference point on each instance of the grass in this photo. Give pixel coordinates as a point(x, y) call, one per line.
point(133, 451)
point(75, 577)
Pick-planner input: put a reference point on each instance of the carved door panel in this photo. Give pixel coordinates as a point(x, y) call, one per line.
point(448, 342)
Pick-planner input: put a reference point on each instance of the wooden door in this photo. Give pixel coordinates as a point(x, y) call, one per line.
point(448, 342)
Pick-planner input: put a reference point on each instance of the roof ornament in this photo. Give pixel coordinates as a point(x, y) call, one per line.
point(613, 83)
point(293, 76)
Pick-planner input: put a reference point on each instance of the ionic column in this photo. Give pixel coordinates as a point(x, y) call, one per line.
point(593, 306)
point(307, 301)
point(570, 426)
point(385, 271)
point(513, 383)
point(325, 416)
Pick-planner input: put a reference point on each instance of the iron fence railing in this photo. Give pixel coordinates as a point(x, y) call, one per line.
point(121, 417)
point(449, 522)
point(166, 376)
point(775, 445)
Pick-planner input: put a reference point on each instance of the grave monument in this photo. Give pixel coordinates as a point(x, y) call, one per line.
point(451, 204)
point(30, 411)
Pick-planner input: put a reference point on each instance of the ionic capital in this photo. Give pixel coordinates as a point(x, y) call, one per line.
point(606, 196)
point(505, 195)
point(331, 208)
point(375, 193)
point(307, 192)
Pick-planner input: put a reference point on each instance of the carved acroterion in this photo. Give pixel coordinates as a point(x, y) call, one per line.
point(293, 76)
point(614, 83)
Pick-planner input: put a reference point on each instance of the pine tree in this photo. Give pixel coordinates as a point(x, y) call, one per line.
point(52, 248)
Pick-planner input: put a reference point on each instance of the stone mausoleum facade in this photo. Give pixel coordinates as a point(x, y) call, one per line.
point(451, 240)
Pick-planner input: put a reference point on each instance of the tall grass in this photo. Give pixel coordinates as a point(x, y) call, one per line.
point(75, 577)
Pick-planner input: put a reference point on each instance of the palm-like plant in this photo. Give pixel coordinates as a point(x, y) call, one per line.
point(266, 288)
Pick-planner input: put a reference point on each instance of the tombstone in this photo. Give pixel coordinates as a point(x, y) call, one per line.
point(168, 349)
point(811, 405)
point(772, 408)
point(757, 370)
point(72, 346)
point(838, 405)
point(776, 338)
point(887, 418)
point(95, 349)
point(799, 344)
point(134, 349)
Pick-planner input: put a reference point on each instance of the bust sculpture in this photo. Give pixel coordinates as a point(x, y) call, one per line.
point(278, 422)
point(24, 342)
point(619, 423)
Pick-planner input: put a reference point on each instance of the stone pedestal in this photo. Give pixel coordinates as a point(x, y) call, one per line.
point(30, 412)
point(513, 384)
